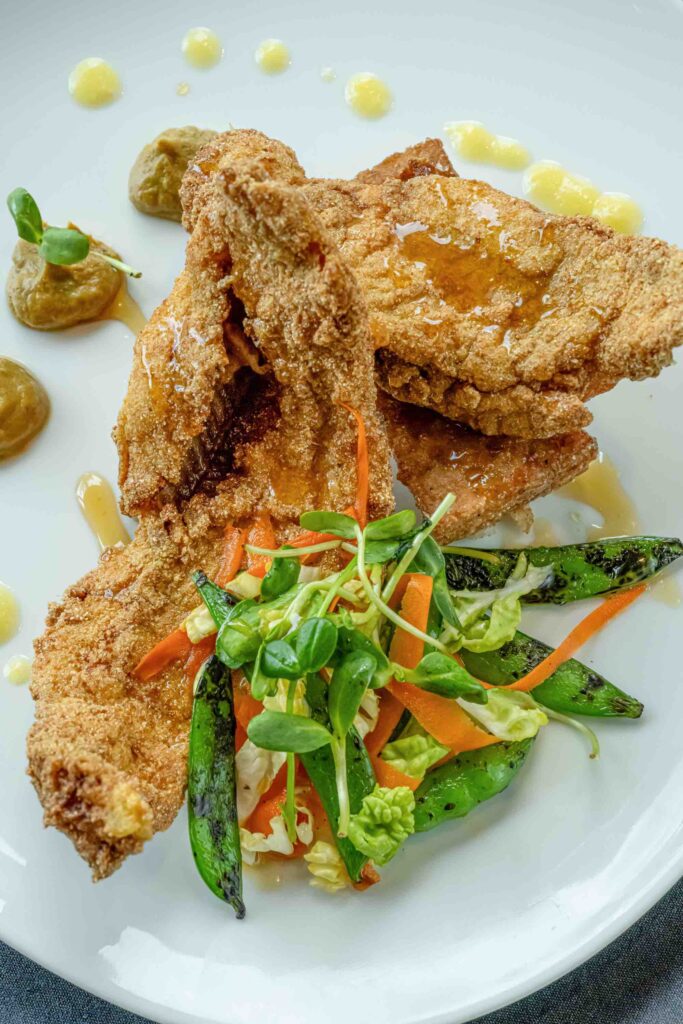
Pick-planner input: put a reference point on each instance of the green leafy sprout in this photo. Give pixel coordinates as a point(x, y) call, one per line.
point(60, 246)
point(291, 634)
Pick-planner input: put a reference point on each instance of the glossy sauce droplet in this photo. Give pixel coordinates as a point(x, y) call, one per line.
point(619, 211)
point(9, 614)
point(472, 141)
point(98, 505)
point(368, 96)
point(202, 48)
point(182, 89)
point(272, 56)
point(327, 74)
point(125, 308)
point(552, 187)
point(600, 487)
point(17, 670)
point(94, 83)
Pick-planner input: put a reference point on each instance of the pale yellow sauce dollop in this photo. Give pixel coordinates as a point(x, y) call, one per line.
point(472, 141)
point(9, 614)
point(98, 505)
point(272, 56)
point(554, 188)
point(368, 96)
point(202, 48)
point(94, 83)
point(17, 670)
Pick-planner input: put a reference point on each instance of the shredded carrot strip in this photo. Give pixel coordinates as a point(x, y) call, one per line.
point(174, 646)
point(587, 628)
point(240, 737)
point(368, 876)
point(199, 653)
point(387, 775)
point(443, 718)
point(232, 555)
point(261, 535)
point(363, 468)
point(390, 711)
point(246, 706)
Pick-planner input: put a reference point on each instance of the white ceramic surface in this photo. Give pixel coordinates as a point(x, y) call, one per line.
point(480, 913)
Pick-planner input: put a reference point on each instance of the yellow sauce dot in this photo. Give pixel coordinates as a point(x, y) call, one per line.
point(17, 670)
point(9, 614)
point(619, 211)
point(202, 48)
point(98, 504)
point(272, 56)
point(472, 141)
point(557, 190)
point(327, 74)
point(368, 96)
point(182, 89)
point(94, 83)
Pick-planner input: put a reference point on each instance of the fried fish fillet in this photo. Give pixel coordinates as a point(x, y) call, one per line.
point(255, 428)
point(481, 306)
point(490, 476)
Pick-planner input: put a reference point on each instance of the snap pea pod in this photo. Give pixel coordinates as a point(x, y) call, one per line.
point(457, 787)
point(579, 570)
point(211, 795)
point(319, 765)
point(572, 689)
point(217, 600)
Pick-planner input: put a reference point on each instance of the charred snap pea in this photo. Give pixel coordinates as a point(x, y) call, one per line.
point(211, 795)
point(579, 570)
point(572, 689)
point(218, 601)
point(319, 765)
point(457, 787)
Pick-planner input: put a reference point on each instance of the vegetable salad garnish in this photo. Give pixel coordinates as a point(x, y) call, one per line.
point(339, 710)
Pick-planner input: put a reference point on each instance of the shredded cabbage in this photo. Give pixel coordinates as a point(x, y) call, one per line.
point(508, 714)
point(199, 623)
point(368, 713)
point(482, 632)
point(327, 867)
point(244, 586)
point(278, 700)
point(254, 843)
point(256, 768)
point(414, 752)
point(384, 820)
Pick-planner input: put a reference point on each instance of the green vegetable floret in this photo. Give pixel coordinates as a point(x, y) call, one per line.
point(384, 821)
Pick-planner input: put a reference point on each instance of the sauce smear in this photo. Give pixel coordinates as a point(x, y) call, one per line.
point(552, 187)
point(9, 614)
point(98, 505)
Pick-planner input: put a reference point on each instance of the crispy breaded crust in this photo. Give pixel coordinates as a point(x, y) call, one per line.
point(107, 753)
point(489, 476)
point(480, 305)
point(426, 157)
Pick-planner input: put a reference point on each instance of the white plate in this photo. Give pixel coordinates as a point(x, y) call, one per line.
point(480, 913)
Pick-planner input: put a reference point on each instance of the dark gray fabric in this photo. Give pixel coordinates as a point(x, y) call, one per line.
point(636, 980)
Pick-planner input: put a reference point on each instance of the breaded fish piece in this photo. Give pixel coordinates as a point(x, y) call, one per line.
point(427, 157)
point(486, 309)
point(107, 753)
point(490, 477)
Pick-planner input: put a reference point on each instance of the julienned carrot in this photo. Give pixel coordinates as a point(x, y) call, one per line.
point(362, 467)
point(592, 623)
point(233, 551)
point(443, 718)
point(387, 775)
point(390, 711)
point(198, 655)
point(174, 646)
point(406, 649)
point(261, 535)
point(246, 706)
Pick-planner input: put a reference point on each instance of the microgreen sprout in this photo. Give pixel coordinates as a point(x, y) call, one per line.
point(60, 246)
point(581, 727)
